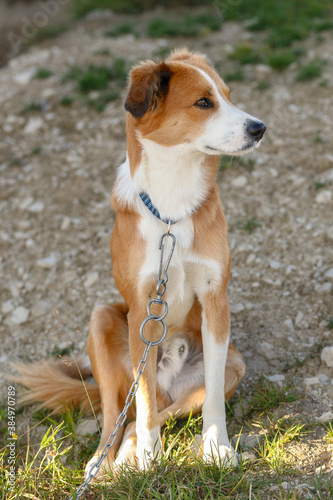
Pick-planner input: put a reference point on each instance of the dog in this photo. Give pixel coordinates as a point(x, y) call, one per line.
point(57, 383)
point(179, 122)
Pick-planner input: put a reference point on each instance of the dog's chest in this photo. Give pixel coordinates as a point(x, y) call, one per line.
point(189, 275)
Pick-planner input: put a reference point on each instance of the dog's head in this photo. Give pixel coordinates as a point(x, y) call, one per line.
point(184, 101)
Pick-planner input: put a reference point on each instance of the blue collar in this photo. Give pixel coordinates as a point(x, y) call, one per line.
point(149, 204)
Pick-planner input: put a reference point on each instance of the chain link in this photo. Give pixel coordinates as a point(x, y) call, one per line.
point(142, 364)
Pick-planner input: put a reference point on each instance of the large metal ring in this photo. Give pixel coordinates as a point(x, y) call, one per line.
point(154, 318)
point(159, 302)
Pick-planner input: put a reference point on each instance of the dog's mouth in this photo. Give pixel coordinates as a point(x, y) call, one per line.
point(246, 148)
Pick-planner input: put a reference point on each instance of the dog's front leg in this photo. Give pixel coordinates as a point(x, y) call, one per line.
point(215, 336)
point(147, 422)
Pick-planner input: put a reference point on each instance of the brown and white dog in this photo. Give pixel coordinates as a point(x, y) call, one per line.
point(179, 121)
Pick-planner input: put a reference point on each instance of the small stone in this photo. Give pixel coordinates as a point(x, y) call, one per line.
point(309, 382)
point(25, 76)
point(34, 124)
point(242, 408)
point(36, 207)
point(47, 262)
point(196, 444)
point(325, 417)
point(91, 280)
point(324, 288)
point(324, 197)
point(329, 232)
point(299, 319)
point(65, 223)
point(329, 273)
point(327, 355)
point(236, 308)
point(25, 203)
point(248, 440)
point(267, 350)
point(20, 315)
point(40, 308)
point(276, 378)
point(7, 307)
point(87, 426)
point(248, 456)
point(239, 181)
point(285, 485)
point(289, 324)
point(274, 264)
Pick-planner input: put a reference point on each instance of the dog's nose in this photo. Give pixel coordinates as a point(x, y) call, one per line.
point(255, 129)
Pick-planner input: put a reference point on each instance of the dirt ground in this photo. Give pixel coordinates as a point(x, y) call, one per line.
point(57, 168)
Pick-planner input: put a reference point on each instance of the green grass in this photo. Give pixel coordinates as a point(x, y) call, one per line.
point(249, 225)
point(309, 71)
point(245, 54)
point(120, 30)
point(280, 60)
point(105, 81)
point(43, 73)
point(274, 452)
point(237, 76)
point(268, 395)
point(32, 106)
point(186, 27)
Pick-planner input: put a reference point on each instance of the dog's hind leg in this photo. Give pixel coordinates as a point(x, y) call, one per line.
point(107, 347)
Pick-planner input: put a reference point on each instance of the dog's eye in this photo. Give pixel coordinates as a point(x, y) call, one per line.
point(181, 349)
point(204, 103)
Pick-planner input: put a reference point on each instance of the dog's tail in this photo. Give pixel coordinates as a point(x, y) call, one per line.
point(59, 384)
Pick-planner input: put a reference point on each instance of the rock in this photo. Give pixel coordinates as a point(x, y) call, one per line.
point(36, 207)
point(20, 315)
point(308, 383)
point(329, 273)
point(299, 319)
point(25, 76)
point(288, 323)
point(327, 355)
point(91, 280)
point(267, 350)
point(248, 440)
point(40, 308)
point(248, 456)
point(285, 485)
point(242, 408)
point(47, 262)
point(324, 197)
point(7, 307)
point(239, 181)
point(35, 123)
point(276, 378)
point(86, 426)
point(324, 288)
point(329, 232)
point(325, 417)
point(323, 378)
point(65, 223)
point(236, 308)
point(25, 203)
point(274, 264)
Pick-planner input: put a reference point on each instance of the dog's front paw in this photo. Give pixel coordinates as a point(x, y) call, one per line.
point(106, 467)
point(218, 453)
point(148, 449)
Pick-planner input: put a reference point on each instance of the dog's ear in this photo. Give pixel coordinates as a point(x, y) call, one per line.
point(148, 84)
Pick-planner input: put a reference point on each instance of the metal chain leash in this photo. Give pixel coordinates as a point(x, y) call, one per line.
point(160, 291)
